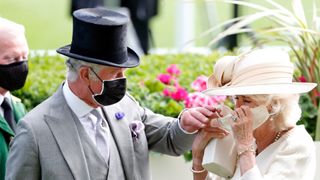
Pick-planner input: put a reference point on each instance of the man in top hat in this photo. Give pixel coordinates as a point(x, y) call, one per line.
point(91, 128)
point(13, 74)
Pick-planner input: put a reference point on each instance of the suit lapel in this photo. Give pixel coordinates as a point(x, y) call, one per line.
point(122, 136)
point(18, 110)
point(61, 122)
point(4, 126)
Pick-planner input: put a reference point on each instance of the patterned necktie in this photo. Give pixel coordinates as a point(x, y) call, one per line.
point(8, 113)
point(102, 135)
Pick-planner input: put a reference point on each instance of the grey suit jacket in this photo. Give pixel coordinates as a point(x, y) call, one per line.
point(49, 142)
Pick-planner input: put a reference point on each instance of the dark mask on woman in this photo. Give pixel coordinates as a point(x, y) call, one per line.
point(14, 75)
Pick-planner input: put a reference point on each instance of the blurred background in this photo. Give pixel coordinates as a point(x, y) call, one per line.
point(171, 25)
point(49, 24)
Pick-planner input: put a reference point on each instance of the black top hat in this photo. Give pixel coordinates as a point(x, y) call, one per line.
point(100, 37)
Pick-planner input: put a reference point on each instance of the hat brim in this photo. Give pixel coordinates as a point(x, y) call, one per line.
point(133, 58)
point(292, 88)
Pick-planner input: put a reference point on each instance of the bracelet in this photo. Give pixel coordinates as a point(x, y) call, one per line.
point(247, 150)
point(197, 172)
point(252, 148)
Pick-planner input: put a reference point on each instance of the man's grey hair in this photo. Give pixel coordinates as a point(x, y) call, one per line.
point(73, 69)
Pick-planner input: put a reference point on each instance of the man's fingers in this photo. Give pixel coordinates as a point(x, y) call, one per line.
point(192, 121)
point(200, 116)
point(207, 112)
point(196, 118)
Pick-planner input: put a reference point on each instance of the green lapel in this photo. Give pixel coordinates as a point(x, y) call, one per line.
point(5, 126)
point(18, 110)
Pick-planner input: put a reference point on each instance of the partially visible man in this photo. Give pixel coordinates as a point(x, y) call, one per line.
point(13, 73)
point(91, 128)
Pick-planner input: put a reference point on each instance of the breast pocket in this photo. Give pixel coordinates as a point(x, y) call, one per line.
point(139, 140)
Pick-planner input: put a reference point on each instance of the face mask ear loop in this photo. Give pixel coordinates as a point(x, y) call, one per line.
point(96, 74)
point(90, 90)
point(274, 114)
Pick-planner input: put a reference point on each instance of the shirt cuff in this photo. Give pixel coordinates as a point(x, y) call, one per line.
point(184, 131)
point(252, 174)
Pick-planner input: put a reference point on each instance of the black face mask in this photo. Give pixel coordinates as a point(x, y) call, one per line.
point(112, 91)
point(14, 75)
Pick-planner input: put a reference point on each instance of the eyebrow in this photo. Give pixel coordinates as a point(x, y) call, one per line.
point(246, 97)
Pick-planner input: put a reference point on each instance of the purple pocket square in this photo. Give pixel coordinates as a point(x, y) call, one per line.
point(136, 128)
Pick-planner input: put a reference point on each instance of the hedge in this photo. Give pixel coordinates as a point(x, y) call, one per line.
point(47, 72)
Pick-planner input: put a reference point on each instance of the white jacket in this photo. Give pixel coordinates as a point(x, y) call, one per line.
point(292, 157)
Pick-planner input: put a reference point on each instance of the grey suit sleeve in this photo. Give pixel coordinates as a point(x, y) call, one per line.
point(164, 134)
point(23, 162)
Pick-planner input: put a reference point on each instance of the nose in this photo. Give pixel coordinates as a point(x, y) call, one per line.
point(239, 101)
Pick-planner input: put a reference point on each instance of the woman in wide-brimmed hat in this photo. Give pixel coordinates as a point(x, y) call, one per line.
point(268, 143)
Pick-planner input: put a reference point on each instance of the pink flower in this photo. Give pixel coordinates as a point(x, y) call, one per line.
point(164, 78)
point(180, 94)
point(173, 70)
point(198, 99)
point(302, 79)
point(166, 92)
point(200, 84)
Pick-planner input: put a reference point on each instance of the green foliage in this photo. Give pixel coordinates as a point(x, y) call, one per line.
point(309, 114)
point(188, 156)
point(288, 26)
point(144, 86)
point(46, 73)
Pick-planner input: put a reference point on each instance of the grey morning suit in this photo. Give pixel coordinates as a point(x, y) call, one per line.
point(51, 143)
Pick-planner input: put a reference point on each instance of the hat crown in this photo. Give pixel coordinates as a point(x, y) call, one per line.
point(100, 33)
point(100, 16)
point(100, 36)
point(263, 71)
point(263, 57)
point(265, 66)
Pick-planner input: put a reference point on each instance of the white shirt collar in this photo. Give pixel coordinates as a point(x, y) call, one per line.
point(78, 106)
point(7, 94)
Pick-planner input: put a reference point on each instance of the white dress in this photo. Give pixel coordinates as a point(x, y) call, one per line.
point(292, 157)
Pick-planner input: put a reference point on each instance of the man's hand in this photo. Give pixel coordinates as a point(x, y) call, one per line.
point(194, 119)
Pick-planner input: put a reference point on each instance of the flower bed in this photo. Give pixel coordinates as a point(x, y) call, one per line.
point(165, 84)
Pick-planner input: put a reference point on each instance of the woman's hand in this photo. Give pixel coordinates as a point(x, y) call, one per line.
point(212, 130)
point(245, 142)
point(242, 127)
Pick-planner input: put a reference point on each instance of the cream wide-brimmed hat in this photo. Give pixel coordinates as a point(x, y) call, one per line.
point(262, 71)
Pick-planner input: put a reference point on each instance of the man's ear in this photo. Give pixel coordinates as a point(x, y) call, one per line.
point(84, 74)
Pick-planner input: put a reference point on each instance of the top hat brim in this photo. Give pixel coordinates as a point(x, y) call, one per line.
point(132, 61)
